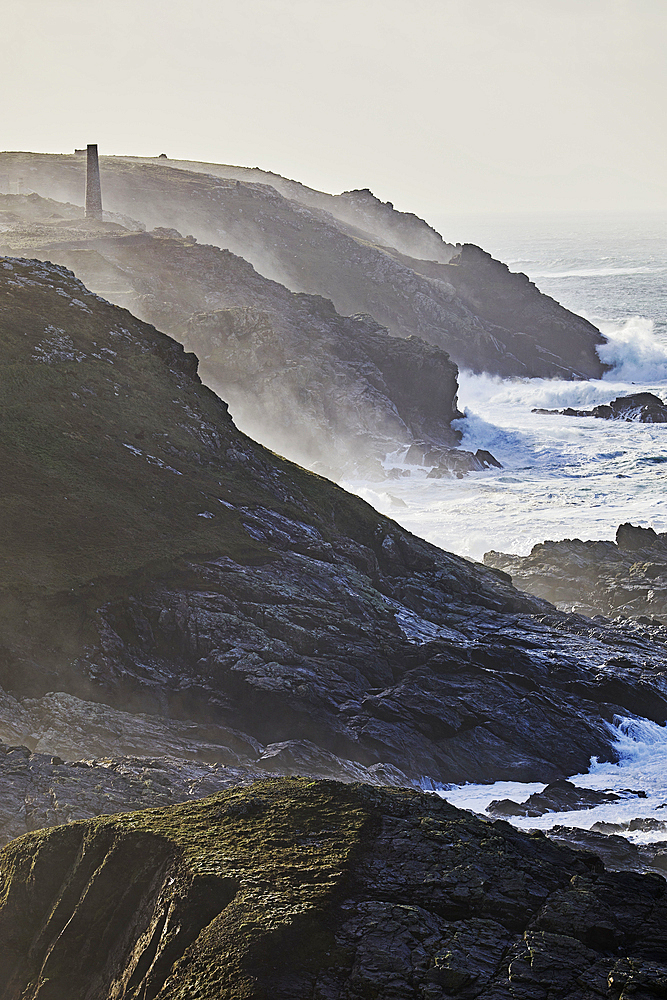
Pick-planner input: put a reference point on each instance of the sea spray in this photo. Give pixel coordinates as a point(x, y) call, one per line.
point(634, 351)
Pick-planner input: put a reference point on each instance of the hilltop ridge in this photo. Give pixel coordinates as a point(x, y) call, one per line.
point(332, 392)
point(313, 250)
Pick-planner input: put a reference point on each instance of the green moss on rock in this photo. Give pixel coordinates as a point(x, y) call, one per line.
point(310, 889)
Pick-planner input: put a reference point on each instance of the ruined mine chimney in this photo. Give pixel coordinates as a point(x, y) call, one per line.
point(93, 189)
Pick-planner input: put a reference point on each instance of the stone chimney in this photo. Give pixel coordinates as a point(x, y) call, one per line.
point(93, 189)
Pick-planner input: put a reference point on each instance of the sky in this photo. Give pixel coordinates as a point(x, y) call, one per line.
point(440, 106)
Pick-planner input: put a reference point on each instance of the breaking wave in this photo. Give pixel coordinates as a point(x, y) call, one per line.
point(634, 351)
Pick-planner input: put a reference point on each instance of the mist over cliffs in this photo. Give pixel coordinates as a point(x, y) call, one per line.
point(158, 560)
point(332, 392)
point(325, 384)
point(184, 612)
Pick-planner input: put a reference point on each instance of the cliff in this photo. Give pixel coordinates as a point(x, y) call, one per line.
point(156, 560)
point(332, 392)
point(317, 251)
point(299, 889)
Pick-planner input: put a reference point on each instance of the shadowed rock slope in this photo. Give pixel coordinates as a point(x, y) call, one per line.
point(301, 889)
point(486, 318)
point(329, 391)
point(156, 560)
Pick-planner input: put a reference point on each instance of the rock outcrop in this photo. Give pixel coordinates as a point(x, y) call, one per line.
point(301, 889)
point(559, 796)
point(169, 765)
point(627, 577)
point(617, 852)
point(471, 306)
point(532, 326)
point(644, 407)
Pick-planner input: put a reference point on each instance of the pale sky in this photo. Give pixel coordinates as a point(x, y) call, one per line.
point(440, 106)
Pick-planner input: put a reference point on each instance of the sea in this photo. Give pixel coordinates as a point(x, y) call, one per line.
point(563, 477)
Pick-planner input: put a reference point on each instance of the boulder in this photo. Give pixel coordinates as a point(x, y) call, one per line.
point(627, 577)
point(644, 407)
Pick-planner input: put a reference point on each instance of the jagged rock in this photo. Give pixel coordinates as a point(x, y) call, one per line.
point(293, 889)
point(533, 327)
point(157, 561)
point(40, 789)
point(607, 840)
point(558, 796)
point(487, 459)
point(617, 853)
point(631, 539)
point(644, 407)
point(334, 393)
point(485, 317)
point(627, 577)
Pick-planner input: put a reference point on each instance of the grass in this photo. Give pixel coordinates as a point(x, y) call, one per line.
point(283, 850)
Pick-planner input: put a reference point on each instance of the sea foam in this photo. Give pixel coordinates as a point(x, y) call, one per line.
point(641, 749)
point(634, 351)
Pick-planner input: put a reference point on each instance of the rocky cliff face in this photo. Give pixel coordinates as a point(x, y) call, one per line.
point(332, 392)
point(358, 209)
point(319, 252)
point(299, 889)
point(156, 560)
point(540, 330)
point(627, 577)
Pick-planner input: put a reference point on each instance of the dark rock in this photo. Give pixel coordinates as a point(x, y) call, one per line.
point(559, 796)
point(644, 407)
point(229, 601)
point(628, 577)
point(300, 889)
point(633, 538)
point(487, 459)
point(507, 807)
point(617, 852)
point(512, 303)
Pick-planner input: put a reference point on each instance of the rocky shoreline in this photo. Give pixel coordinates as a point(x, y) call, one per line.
point(184, 612)
point(627, 577)
point(644, 407)
point(200, 578)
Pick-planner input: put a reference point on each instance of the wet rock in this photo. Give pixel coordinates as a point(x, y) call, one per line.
point(627, 577)
point(608, 842)
point(644, 407)
point(558, 796)
point(617, 852)
point(487, 459)
point(220, 600)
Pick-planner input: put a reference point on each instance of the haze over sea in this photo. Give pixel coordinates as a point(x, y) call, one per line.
point(562, 477)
